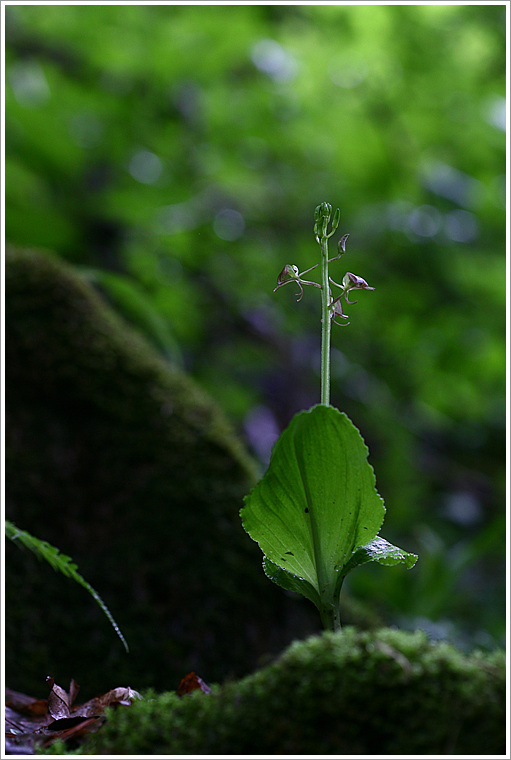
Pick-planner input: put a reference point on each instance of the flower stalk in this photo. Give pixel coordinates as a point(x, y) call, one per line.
point(331, 308)
point(326, 325)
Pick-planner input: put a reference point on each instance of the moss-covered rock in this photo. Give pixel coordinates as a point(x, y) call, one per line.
point(122, 462)
point(381, 693)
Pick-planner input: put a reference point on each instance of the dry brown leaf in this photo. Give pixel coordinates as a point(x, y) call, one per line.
point(29, 720)
point(122, 695)
point(24, 704)
point(192, 682)
point(58, 701)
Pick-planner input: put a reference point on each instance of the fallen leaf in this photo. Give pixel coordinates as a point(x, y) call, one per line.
point(24, 704)
point(192, 682)
point(59, 700)
point(42, 721)
point(16, 745)
point(122, 695)
point(83, 728)
point(73, 691)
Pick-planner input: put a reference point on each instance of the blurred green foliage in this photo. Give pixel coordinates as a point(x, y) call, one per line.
point(176, 154)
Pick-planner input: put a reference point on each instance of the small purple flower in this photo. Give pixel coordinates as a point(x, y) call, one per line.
point(350, 281)
point(353, 282)
point(291, 273)
point(336, 311)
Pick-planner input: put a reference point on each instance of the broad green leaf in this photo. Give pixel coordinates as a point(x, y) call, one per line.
point(317, 502)
point(290, 582)
point(381, 551)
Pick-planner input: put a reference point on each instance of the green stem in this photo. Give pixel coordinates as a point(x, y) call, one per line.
point(330, 616)
point(331, 619)
point(325, 325)
point(337, 619)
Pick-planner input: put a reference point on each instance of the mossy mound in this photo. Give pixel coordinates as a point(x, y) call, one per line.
point(382, 693)
point(125, 465)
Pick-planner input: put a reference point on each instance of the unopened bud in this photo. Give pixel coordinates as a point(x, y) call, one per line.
point(336, 220)
point(323, 211)
point(341, 245)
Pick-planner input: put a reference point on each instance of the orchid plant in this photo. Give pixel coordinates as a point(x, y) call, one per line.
point(316, 513)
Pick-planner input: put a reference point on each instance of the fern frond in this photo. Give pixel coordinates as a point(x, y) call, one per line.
point(61, 563)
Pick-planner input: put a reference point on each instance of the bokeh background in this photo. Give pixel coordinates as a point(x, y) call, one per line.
point(175, 155)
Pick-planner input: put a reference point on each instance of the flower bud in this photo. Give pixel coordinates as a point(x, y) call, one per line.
point(322, 215)
point(341, 245)
point(325, 210)
point(336, 220)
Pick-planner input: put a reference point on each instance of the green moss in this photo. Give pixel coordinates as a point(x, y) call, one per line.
point(122, 462)
point(386, 692)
